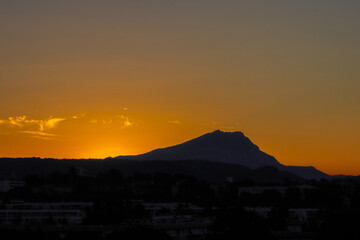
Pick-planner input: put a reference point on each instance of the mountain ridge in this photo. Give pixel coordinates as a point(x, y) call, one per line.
point(224, 147)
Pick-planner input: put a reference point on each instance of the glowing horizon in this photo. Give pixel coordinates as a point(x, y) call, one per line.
point(86, 79)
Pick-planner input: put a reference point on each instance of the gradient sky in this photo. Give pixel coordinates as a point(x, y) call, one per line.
point(83, 79)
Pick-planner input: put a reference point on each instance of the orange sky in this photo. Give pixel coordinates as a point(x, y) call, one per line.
point(97, 79)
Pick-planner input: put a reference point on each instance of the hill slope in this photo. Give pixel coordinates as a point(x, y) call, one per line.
point(217, 146)
point(224, 147)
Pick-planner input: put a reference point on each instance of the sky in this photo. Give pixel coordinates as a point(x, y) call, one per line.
point(92, 79)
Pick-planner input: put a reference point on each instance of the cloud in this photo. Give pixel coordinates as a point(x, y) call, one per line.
point(42, 125)
point(94, 121)
point(107, 121)
point(49, 123)
point(174, 122)
point(103, 122)
point(126, 121)
point(35, 127)
point(115, 121)
point(17, 121)
point(41, 135)
point(42, 128)
point(77, 116)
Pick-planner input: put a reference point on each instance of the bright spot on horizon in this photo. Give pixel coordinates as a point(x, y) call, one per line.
point(127, 77)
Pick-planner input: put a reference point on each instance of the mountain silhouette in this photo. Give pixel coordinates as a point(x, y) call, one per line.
point(217, 146)
point(224, 147)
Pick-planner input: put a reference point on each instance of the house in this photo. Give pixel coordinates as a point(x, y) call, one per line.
point(7, 185)
point(178, 220)
point(33, 213)
point(280, 189)
point(263, 212)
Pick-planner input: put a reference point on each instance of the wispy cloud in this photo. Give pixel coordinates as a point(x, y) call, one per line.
point(94, 121)
point(174, 122)
point(41, 135)
point(126, 121)
point(34, 127)
point(18, 121)
point(122, 120)
point(24, 121)
point(78, 116)
point(44, 128)
point(49, 123)
point(104, 122)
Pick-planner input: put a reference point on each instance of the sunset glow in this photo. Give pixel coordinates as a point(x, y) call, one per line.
point(89, 79)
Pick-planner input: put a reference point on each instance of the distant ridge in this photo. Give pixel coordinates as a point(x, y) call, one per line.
point(224, 147)
point(215, 172)
point(213, 157)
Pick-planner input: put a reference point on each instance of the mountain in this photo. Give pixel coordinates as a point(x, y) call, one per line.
point(224, 147)
point(214, 157)
point(217, 146)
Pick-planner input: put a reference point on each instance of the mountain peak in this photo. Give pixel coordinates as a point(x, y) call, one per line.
point(224, 147)
point(217, 146)
point(218, 131)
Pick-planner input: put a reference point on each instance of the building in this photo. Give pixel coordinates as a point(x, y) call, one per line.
point(31, 213)
point(303, 215)
point(185, 231)
point(263, 212)
point(7, 185)
point(280, 189)
point(179, 220)
point(262, 189)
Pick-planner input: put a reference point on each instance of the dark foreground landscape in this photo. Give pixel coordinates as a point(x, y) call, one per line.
point(181, 192)
point(109, 205)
